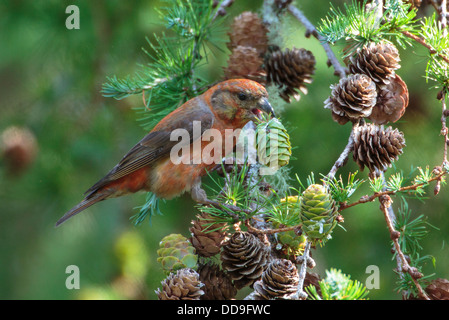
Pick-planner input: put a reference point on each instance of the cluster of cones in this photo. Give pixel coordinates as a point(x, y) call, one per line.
point(245, 259)
point(252, 57)
point(372, 91)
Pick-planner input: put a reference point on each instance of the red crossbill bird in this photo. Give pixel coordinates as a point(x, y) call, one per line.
point(225, 107)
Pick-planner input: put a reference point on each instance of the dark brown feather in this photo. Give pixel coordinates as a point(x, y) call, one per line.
point(86, 203)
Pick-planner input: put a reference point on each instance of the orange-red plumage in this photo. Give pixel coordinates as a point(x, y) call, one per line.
point(148, 165)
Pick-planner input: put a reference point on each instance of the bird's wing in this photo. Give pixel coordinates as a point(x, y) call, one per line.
point(157, 143)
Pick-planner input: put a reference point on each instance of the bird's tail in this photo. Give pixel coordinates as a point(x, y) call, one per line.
point(86, 203)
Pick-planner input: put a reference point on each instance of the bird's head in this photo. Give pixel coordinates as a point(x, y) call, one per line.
point(239, 101)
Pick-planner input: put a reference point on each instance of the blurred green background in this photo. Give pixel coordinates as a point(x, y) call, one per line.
point(50, 82)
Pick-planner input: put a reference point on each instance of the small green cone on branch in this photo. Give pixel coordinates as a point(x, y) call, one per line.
point(318, 213)
point(176, 252)
point(290, 244)
point(273, 144)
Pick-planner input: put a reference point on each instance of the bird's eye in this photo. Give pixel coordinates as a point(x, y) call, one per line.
point(242, 96)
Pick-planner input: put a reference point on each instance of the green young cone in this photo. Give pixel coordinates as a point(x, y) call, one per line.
point(175, 253)
point(290, 243)
point(273, 144)
point(318, 213)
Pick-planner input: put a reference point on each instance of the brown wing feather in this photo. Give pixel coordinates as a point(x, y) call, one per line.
point(157, 144)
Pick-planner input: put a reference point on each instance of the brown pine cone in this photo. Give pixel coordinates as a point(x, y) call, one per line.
point(352, 98)
point(377, 60)
point(244, 258)
point(217, 284)
point(19, 148)
point(376, 147)
point(246, 63)
point(207, 236)
point(182, 285)
point(313, 279)
point(392, 100)
point(290, 70)
point(279, 281)
point(438, 289)
point(248, 30)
